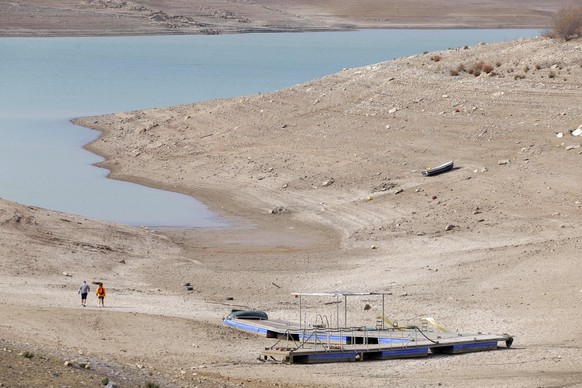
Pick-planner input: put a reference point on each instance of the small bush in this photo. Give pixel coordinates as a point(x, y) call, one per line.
point(498, 63)
point(480, 67)
point(453, 72)
point(538, 66)
point(461, 67)
point(149, 384)
point(551, 74)
point(519, 76)
point(27, 354)
point(104, 381)
point(526, 68)
point(436, 58)
point(476, 69)
point(567, 24)
point(487, 68)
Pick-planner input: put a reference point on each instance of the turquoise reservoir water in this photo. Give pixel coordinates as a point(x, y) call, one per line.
point(45, 82)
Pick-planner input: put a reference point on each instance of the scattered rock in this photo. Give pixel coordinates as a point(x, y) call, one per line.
point(367, 307)
point(503, 162)
point(450, 227)
point(229, 298)
point(572, 147)
point(560, 134)
point(328, 182)
point(398, 191)
point(577, 132)
point(384, 186)
point(278, 210)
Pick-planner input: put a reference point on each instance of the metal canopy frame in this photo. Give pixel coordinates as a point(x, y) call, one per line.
point(337, 295)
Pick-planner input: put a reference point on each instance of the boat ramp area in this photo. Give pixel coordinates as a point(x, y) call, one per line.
point(320, 343)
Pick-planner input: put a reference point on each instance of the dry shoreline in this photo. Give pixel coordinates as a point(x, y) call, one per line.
point(149, 17)
point(396, 26)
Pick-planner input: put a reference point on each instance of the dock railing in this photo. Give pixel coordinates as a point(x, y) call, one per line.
point(343, 339)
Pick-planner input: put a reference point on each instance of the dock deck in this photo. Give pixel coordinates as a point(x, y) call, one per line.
point(318, 345)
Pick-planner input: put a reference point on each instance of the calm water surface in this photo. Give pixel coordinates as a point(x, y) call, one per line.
point(45, 82)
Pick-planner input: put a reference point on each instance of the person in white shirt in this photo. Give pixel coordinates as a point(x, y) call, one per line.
point(84, 290)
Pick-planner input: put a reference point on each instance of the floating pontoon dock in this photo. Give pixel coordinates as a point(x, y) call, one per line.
point(302, 343)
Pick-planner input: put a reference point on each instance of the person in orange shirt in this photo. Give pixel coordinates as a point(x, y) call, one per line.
point(101, 295)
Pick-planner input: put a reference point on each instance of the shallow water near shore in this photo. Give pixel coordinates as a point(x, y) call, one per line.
point(45, 82)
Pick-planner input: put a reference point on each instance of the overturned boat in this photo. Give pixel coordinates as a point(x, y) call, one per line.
point(247, 314)
point(439, 169)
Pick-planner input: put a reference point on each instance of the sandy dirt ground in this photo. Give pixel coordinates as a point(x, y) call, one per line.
point(121, 17)
point(322, 185)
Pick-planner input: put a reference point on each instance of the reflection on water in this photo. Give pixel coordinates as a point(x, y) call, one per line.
point(45, 82)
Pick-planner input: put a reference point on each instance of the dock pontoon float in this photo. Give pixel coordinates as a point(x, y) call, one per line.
point(324, 341)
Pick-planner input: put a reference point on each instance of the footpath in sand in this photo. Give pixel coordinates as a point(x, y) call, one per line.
point(311, 177)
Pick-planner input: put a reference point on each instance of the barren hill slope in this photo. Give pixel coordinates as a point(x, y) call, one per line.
point(137, 17)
